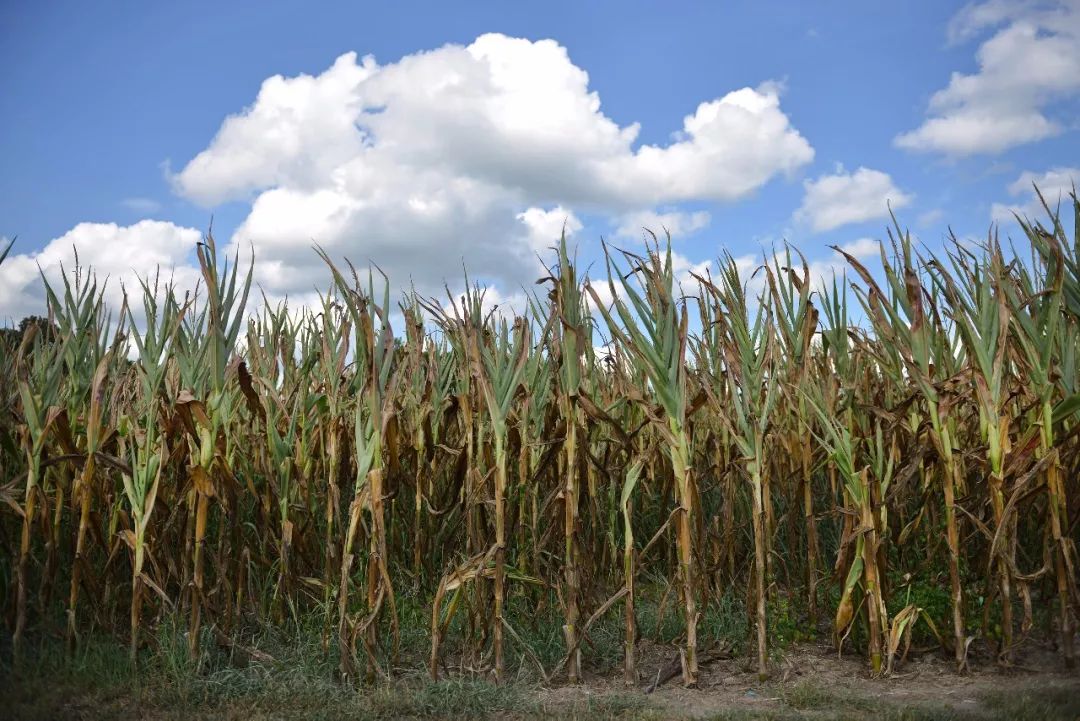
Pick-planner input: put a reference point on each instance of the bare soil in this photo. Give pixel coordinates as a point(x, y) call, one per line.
point(813, 681)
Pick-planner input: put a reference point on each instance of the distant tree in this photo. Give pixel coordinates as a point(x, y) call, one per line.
point(13, 337)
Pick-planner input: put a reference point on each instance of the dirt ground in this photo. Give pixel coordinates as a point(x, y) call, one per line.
point(812, 682)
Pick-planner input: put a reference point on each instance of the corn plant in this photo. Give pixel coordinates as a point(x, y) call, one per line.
point(499, 363)
point(88, 360)
point(209, 420)
point(903, 322)
point(372, 387)
point(519, 475)
point(141, 436)
point(753, 388)
point(980, 313)
point(796, 321)
point(1036, 300)
point(654, 334)
point(41, 363)
point(568, 340)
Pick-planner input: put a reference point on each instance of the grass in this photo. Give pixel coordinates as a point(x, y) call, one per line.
point(1044, 703)
point(99, 681)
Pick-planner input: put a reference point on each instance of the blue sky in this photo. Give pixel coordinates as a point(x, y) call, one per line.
point(805, 119)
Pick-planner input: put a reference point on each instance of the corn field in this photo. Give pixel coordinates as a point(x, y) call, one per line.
point(816, 449)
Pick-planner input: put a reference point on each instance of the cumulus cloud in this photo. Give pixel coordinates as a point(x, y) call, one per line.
point(469, 155)
point(685, 270)
point(834, 266)
point(546, 227)
point(1031, 61)
point(117, 255)
point(294, 134)
point(475, 156)
point(678, 223)
point(1056, 185)
point(834, 200)
point(861, 247)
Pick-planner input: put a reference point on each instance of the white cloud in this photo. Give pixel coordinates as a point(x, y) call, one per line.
point(603, 292)
point(861, 247)
point(462, 155)
point(678, 223)
point(1056, 185)
point(930, 217)
point(296, 134)
point(728, 148)
point(835, 200)
point(505, 111)
point(115, 254)
point(546, 227)
point(685, 270)
point(1031, 61)
point(145, 206)
point(823, 270)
